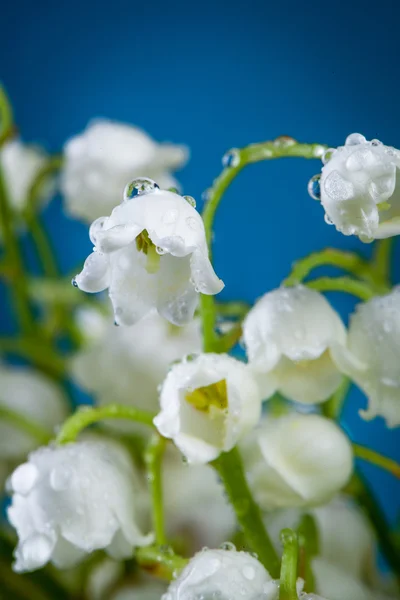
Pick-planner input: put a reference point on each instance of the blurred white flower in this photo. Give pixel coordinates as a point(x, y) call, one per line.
point(151, 253)
point(100, 162)
point(102, 577)
point(359, 189)
point(37, 400)
point(297, 460)
point(207, 405)
point(71, 500)
point(345, 536)
point(150, 590)
point(187, 490)
point(223, 574)
point(20, 165)
point(372, 355)
point(288, 336)
point(338, 584)
point(127, 364)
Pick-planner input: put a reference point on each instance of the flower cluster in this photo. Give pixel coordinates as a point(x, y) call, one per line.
point(221, 442)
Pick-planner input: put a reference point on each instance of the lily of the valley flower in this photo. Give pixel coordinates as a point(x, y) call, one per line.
point(297, 460)
point(37, 400)
point(71, 500)
point(288, 336)
point(336, 583)
point(372, 355)
point(207, 405)
point(359, 188)
point(127, 364)
point(99, 162)
point(150, 253)
point(345, 537)
point(224, 574)
point(20, 164)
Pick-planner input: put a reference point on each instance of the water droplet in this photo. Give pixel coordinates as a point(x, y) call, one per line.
point(314, 188)
point(170, 217)
point(228, 546)
point(192, 223)
point(174, 190)
point(231, 158)
point(139, 186)
point(24, 478)
point(74, 282)
point(327, 155)
point(249, 572)
point(60, 478)
point(160, 250)
point(354, 139)
point(285, 140)
point(327, 220)
point(376, 143)
point(116, 324)
point(190, 200)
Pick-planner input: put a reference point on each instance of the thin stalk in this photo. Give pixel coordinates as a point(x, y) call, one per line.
point(332, 408)
point(369, 455)
point(282, 147)
point(40, 354)
point(230, 469)
point(348, 285)
point(288, 576)
point(160, 562)
point(35, 430)
point(153, 459)
point(381, 262)
point(86, 416)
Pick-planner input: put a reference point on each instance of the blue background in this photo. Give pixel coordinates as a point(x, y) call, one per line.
point(216, 75)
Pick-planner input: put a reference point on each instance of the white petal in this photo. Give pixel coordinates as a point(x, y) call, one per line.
point(204, 277)
point(177, 299)
point(336, 584)
point(95, 275)
point(115, 238)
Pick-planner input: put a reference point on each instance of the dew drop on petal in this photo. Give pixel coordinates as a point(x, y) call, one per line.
point(231, 158)
point(190, 200)
point(174, 190)
point(60, 478)
point(328, 220)
point(170, 217)
point(139, 186)
point(249, 572)
point(24, 478)
point(376, 143)
point(191, 223)
point(74, 282)
point(160, 250)
point(228, 546)
point(285, 140)
point(354, 139)
point(327, 155)
point(95, 228)
point(314, 188)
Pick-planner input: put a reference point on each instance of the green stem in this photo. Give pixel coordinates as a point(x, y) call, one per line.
point(235, 309)
point(333, 407)
point(230, 468)
point(227, 341)
point(348, 261)
point(18, 285)
point(307, 533)
point(6, 117)
point(160, 562)
point(388, 464)
point(282, 147)
point(35, 430)
point(348, 285)
point(382, 259)
point(360, 488)
point(86, 416)
point(288, 577)
point(153, 459)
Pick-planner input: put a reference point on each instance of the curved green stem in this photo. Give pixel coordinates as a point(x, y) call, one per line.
point(37, 352)
point(382, 259)
point(288, 577)
point(332, 408)
point(230, 468)
point(6, 117)
point(35, 430)
point(160, 562)
point(282, 147)
point(348, 285)
point(153, 459)
point(388, 464)
point(348, 261)
point(87, 415)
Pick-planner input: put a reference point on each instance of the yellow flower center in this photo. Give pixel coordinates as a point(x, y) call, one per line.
point(203, 398)
point(145, 245)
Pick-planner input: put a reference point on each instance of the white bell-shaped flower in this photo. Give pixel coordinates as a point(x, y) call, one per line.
point(187, 490)
point(20, 164)
point(337, 584)
point(297, 460)
point(71, 500)
point(150, 253)
point(288, 336)
point(207, 405)
point(127, 364)
point(99, 162)
point(372, 355)
point(38, 402)
point(223, 574)
point(345, 536)
point(359, 190)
